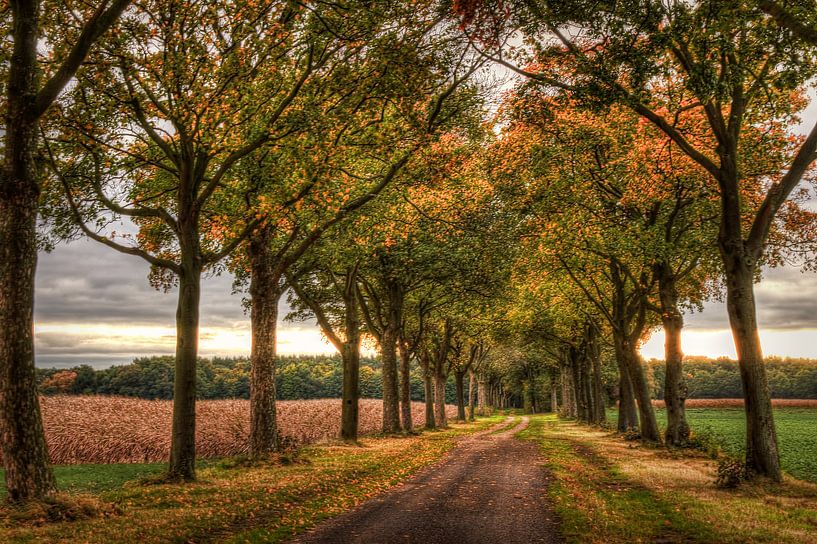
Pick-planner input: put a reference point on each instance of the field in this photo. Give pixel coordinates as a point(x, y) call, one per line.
point(611, 491)
point(738, 403)
point(796, 430)
point(234, 502)
point(96, 429)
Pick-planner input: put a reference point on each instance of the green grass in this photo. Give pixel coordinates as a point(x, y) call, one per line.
point(610, 491)
point(95, 478)
point(796, 434)
point(597, 503)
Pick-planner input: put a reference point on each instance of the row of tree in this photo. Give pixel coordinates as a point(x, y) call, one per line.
point(208, 135)
point(719, 379)
point(297, 377)
point(343, 154)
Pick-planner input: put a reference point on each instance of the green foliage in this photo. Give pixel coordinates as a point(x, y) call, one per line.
point(720, 378)
point(298, 377)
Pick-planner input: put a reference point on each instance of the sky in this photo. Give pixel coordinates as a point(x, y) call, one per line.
point(94, 305)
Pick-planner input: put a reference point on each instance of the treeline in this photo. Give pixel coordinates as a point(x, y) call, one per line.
point(720, 378)
point(297, 377)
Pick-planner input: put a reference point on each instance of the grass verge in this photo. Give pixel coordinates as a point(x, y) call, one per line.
point(608, 490)
point(232, 503)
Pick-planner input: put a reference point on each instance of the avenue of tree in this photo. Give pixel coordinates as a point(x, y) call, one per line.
point(357, 157)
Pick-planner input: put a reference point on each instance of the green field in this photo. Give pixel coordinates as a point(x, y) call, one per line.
point(796, 433)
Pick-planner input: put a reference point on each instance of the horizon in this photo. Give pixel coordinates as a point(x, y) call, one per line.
point(95, 306)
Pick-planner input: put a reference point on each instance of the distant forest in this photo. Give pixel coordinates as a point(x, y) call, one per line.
point(298, 377)
point(719, 378)
point(310, 377)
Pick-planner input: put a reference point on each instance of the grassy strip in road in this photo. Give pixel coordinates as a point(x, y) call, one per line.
point(244, 504)
point(608, 490)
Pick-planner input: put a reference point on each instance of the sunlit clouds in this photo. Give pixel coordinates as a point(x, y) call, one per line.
point(67, 344)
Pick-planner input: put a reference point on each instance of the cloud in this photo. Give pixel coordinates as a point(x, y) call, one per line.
point(786, 300)
point(86, 282)
point(95, 305)
point(84, 287)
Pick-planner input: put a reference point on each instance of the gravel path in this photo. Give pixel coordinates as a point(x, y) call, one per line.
point(491, 488)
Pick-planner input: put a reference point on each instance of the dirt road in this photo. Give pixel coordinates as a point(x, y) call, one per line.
point(491, 488)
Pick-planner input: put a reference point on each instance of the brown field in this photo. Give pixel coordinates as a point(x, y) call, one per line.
point(738, 403)
point(98, 429)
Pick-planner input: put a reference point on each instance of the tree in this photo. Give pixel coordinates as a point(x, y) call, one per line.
point(180, 96)
point(33, 87)
point(437, 353)
point(738, 71)
point(374, 111)
point(317, 289)
point(466, 358)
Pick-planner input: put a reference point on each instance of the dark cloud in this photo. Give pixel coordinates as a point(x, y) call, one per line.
point(786, 300)
point(86, 282)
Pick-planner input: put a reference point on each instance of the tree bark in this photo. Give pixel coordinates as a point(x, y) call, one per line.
point(472, 383)
point(440, 417)
point(762, 455)
point(459, 381)
point(405, 387)
point(554, 395)
point(350, 412)
point(350, 352)
point(482, 396)
point(569, 408)
point(428, 390)
point(576, 385)
point(675, 388)
point(25, 454)
point(265, 293)
point(388, 357)
point(183, 444)
point(599, 403)
point(640, 389)
point(627, 411)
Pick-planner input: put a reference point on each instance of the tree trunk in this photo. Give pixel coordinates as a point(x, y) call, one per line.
point(25, 454)
point(350, 412)
point(440, 418)
point(568, 396)
point(762, 456)
point(428, 391)
point(405, 387)
point(183, 444)
point(576, 385)
point(675, 388)
point(587, 389)
point(472, 383)
point(482, 396)
point(627, 411)
point(350, 352)
point(459, 380)
point(554, 396)
point(641, 391)
point(599, 403)
point(265, 292)
point(391, 407)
